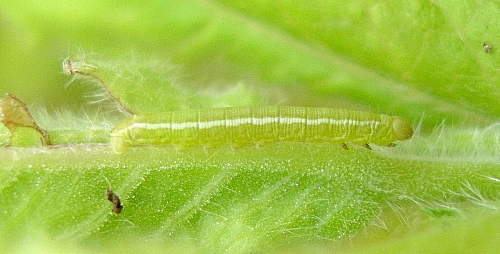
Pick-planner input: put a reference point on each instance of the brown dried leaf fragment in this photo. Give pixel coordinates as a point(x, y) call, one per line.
point(16, 114)
point(113, 198)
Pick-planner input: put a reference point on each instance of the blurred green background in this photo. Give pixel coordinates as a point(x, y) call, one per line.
point(423, 60)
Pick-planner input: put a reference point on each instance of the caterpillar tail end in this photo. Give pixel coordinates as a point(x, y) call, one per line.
point(118, 144)
point(118, 136)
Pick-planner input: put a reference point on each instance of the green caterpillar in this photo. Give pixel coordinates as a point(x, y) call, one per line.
point(259, 125)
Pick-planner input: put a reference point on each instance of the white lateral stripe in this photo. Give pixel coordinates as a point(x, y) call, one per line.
point(254, 121)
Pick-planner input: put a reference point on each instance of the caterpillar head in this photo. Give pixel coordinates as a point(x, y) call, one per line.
point(401, 128)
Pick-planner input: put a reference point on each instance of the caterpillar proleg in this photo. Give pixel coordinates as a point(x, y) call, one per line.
point(239, 126)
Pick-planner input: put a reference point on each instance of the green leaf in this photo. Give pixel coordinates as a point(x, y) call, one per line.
point(423, 60)
point(134, 86)
point(242, 200)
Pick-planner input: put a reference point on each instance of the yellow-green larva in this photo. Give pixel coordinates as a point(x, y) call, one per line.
point(258, 125)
